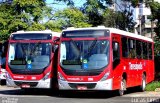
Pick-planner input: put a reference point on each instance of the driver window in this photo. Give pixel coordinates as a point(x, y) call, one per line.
point(116, 54)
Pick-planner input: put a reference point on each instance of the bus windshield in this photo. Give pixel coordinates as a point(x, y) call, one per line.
point(84, 56)
point(29, 57)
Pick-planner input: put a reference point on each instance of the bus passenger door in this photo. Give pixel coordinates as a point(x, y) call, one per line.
point(116, 61)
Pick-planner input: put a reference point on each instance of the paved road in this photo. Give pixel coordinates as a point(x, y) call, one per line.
point(16, 95)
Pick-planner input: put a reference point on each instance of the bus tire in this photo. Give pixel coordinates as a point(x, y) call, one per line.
point(122, 87)
point(143, 84)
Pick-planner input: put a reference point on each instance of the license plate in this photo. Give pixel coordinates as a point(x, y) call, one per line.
point(25, 86)
point(81, 87)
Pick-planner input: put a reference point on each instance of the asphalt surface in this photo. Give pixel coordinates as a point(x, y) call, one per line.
point(16, 95)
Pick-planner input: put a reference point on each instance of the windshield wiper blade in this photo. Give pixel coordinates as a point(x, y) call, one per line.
point(75, 45)
point(92, 46)
point(73, 42)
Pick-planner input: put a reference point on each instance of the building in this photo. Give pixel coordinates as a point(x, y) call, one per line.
point(142, 15)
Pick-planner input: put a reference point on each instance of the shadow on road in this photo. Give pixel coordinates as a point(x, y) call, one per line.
point(63, 94)
point(66, 94)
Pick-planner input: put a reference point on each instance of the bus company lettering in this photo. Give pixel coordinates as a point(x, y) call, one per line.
point(75, 79)
point(135, 66)
point(18, 77)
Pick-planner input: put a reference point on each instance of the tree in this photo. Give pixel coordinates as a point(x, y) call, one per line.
point(99, 13)
point(118, 19)
point(55, 25)
point(124, 15)
point(71, 17)
point(155, 9)
point(94, 10)
point(109, 18)
point(22, 15)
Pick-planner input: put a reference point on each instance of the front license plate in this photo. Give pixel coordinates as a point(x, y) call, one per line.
point(25, 86)
point(81, 87)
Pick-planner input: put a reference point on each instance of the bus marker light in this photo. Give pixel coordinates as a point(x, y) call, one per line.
point(90, 79)
point(33, 78)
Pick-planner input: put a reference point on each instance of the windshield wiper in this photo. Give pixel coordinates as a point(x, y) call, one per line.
point(92, 46)
point(74, 44)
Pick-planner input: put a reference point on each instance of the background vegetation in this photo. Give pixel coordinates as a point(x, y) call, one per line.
point(152, 86)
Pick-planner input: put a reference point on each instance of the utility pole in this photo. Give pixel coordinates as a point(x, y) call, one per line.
point(152, 30)
point(140, 24)
point(140, 17)
point(152, 25)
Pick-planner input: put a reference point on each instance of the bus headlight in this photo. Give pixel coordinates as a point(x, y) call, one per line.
point(105, 77)
point(46, 76)
point(61, 77)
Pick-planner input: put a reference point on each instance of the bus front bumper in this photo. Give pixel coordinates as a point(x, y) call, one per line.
point(100, 85)
point(29, 84)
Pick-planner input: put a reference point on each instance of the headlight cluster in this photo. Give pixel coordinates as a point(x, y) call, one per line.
point(105, 77)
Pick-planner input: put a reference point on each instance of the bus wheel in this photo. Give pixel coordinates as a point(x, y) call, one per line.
point(123, 87)
point(143, 85)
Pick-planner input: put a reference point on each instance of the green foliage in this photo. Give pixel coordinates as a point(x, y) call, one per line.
point(109, 18)
point(35, 27)
point(4, 37)
point(156, 46)
point(122, 19)
point(71, 17)
point(152, 86)
point(55, 25)
point(155, 9)
point(23, 3)
point(94, 10)
point(22, 15)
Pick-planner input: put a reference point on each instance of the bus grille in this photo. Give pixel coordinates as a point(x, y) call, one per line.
point(88, 85)
point(32, 84)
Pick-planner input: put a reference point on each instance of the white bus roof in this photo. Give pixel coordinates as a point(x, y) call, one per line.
point(113, 30)
point(45, 31)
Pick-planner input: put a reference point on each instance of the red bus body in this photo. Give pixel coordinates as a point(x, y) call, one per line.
point(131, 67)
point(16, 77)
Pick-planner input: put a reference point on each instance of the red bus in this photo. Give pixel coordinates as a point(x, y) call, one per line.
point(100, 58)
point(29, 61)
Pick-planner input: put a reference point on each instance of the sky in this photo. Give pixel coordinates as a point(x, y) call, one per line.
point(62, 5)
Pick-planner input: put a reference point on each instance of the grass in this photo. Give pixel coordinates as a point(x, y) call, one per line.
point(152, 86)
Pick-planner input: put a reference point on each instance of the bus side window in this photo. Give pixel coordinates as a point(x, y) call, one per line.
point(132, 49)
point(125, 47)
point(150, 50)
point(116, 54)
point(144, 50)
point(138, 49)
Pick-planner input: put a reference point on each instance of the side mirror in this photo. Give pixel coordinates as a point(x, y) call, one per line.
point(56, 40)
point(115, 46)
point(54, 48)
